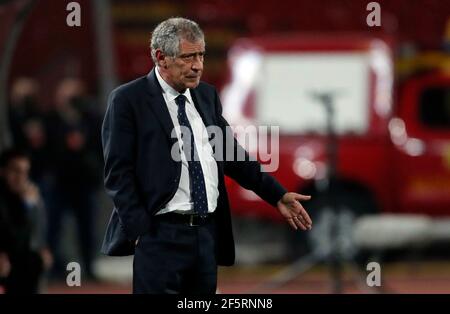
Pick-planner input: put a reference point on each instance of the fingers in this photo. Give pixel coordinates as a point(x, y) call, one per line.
point(300, 211)
point(306, 217)
point(299, 223)
point(300, 220)
point(301, 197)
point(291, 222)
point(298, 217)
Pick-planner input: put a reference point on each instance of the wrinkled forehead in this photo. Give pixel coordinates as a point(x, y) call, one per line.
point(187, 46)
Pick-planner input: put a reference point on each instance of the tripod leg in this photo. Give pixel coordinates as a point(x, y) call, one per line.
point(291, 272)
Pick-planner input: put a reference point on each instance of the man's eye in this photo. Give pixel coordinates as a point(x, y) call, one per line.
point(186, 57)
point(190, 57)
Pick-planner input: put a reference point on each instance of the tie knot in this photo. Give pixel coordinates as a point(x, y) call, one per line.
point(180, 100)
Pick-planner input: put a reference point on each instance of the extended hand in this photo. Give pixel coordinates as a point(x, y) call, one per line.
point(291, 209)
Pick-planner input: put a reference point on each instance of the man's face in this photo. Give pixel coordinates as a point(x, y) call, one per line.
point(16, 174)
point(185, 70)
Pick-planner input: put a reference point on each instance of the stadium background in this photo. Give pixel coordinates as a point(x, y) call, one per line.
point(111, 47)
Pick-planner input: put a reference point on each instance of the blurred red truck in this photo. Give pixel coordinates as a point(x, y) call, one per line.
point(392, 151)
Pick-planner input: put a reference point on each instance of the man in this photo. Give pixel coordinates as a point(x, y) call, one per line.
point(174, 215)
point(23, 253)
point(75, 141)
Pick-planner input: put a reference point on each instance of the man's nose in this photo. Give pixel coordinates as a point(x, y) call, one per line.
point(197, 64)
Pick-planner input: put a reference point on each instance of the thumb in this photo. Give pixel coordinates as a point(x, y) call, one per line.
point(301, 197)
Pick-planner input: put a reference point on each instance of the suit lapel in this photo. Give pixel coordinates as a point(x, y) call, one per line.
point(158, 105)
point(202, 107)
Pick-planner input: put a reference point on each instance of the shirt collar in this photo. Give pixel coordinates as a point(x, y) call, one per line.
point(170, 92)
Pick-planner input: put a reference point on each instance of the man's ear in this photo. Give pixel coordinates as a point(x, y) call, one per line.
point(161, 58)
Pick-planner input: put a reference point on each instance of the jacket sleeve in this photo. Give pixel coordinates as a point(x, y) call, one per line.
point(248, 173)
point(119, 149)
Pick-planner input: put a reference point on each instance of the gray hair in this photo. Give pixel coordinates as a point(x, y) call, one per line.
point(169, 33)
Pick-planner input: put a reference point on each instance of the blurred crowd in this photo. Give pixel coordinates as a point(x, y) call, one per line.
point(53, 168)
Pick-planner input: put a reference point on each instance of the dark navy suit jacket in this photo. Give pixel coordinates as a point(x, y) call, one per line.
point(141, 176)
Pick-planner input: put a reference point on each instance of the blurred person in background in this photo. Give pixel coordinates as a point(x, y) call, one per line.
point(24, 255)
point(28, 124)
point(22, 107)
point(74, 128)
point(174, 216)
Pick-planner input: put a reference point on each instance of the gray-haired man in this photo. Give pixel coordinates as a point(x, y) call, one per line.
point(174, 214)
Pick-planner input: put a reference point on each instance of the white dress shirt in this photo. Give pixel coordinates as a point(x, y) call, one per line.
point(181, 201)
